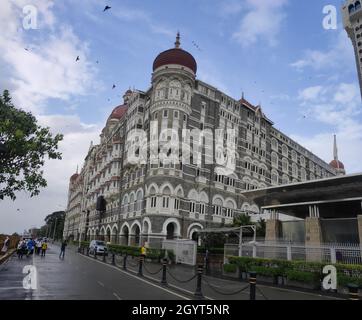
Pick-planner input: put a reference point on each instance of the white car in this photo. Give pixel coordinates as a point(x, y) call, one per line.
point(98, 247)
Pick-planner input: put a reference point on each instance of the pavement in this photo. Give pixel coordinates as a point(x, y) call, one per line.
point(79, 277)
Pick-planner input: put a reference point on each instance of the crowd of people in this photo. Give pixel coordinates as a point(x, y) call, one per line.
point(27, 247)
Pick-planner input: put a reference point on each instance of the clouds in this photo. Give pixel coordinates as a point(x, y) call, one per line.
point(47, 70)
point(262, 22)
point(339, 108)
point(339, 55)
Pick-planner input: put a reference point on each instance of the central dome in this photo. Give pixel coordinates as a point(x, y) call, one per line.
point(175, 56)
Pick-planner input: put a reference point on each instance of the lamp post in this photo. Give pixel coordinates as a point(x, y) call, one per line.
point(55, 227)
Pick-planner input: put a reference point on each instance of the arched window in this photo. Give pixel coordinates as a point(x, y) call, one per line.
point(218, 204)
point(285, 150)
point(351, 9)
point(302, 161)
point(274, 159)
point(274, 177)
point(295, 170)
point(303, 174)
point(285, 165)
point(285, 179)
point(274, 144)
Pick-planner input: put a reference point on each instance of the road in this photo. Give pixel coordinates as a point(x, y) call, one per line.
point(79, 277)
point(76, 278)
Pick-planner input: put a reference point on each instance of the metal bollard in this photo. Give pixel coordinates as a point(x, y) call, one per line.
point(198, 292)
point(88, 251)
point(164, 269)
point(95, 254)
point(113, 259)
point(104, 256)
point(125, 262)
point(140, 273)
point(353, 291)
point(252, 281)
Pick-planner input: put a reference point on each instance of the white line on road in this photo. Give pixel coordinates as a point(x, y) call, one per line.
point(138, 278)
point(117, 296)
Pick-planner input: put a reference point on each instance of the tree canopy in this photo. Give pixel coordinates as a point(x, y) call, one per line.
point(24, 146)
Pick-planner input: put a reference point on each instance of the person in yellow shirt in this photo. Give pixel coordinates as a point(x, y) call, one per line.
point(143, 251)
point(44, 247)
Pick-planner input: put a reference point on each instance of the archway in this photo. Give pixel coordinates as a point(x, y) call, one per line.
point(108, 237)
point(170, 229)
point(124, 235)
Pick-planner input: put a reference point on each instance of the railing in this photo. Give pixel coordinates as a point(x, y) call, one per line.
point(328, 253)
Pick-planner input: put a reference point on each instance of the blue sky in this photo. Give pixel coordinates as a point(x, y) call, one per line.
point(275, 51)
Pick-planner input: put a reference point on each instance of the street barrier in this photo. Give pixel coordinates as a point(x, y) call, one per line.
point(353, 292)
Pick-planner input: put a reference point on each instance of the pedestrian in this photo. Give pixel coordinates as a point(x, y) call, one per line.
point(30, 247)
point(44, 248)
point(38, 247)
point(62, 249)
point(5, 246)
point(143, 251)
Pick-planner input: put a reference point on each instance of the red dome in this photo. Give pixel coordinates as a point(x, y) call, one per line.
point(74, 177)
point(175, 56)
point(336, 164)
point(118, 112)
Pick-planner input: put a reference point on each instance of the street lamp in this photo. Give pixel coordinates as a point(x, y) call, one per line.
point(55, 227)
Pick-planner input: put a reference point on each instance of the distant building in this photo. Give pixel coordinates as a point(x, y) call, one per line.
point(352, 21)
point(159, 200)
point(336, 164)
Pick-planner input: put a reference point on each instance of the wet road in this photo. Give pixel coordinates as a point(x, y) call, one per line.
point(78, 278)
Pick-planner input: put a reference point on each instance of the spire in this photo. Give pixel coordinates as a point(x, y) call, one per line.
point(335, 150)
point(177, 43)
point(77, 170)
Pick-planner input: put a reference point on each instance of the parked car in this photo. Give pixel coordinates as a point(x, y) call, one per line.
point(98, 247)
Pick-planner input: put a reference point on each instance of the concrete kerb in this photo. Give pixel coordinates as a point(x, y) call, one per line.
point(7, 255)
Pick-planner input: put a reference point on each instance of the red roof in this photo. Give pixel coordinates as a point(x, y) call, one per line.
point(337, 164)
point(118, 112)
point(175, 56)
point(74, 176)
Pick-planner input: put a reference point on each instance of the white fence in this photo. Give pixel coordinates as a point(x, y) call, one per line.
point(327, 253)
point(185, 250)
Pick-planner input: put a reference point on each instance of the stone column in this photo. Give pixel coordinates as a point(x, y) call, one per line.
point(313, 235)
point(273, 227)
point(359, 221)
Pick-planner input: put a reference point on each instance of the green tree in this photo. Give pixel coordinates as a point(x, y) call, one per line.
point(242, 220)
point(24, 145)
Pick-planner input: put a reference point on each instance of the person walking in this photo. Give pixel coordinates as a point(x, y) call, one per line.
point(62, 249)
point(5, 246)
point(38, 247)
point(143, 251)
point(44, 248)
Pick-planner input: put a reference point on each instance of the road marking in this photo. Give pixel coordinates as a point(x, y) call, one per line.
point(117, 296)
point(101, 283)
point(138, 278)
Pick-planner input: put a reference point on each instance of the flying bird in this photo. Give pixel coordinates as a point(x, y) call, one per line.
point(97, 61)
point(106, 8)
point(77, 58)
point(113, 86)
point(26, 49)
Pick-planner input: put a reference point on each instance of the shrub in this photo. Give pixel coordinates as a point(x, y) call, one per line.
point(230, 268)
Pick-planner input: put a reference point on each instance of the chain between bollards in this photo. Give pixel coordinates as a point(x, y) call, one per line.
point(252, 282)
point(353, 291)
point(198, 292)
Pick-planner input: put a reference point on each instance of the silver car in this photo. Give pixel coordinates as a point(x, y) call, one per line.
point(98, 247)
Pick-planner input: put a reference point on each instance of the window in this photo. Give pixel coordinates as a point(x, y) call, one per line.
point(177, 204)
point(217, 210)
point(165, 113)
point(153, 202)
point(285, 150)
point(192, 207)
point(155, 117)
point(165, 202)
point(185, 117)
point(274, 159)
point(285, 165)
point(202, 208)
point(175, 114)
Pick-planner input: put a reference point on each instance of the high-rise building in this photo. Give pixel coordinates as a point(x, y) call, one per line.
point(352, 21)
point(159, 199)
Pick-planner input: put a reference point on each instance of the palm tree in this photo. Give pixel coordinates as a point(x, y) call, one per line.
point(261, 227)
point(242, 220)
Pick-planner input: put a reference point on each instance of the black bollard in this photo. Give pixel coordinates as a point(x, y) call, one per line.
point(125, 262)
point(95, 253)
point(353, 291)
point(104, 256)
point(113, 259)
point(88, 251)
point(198, 292)
point(164, 269)
point(140, 273)
point(252, 281)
